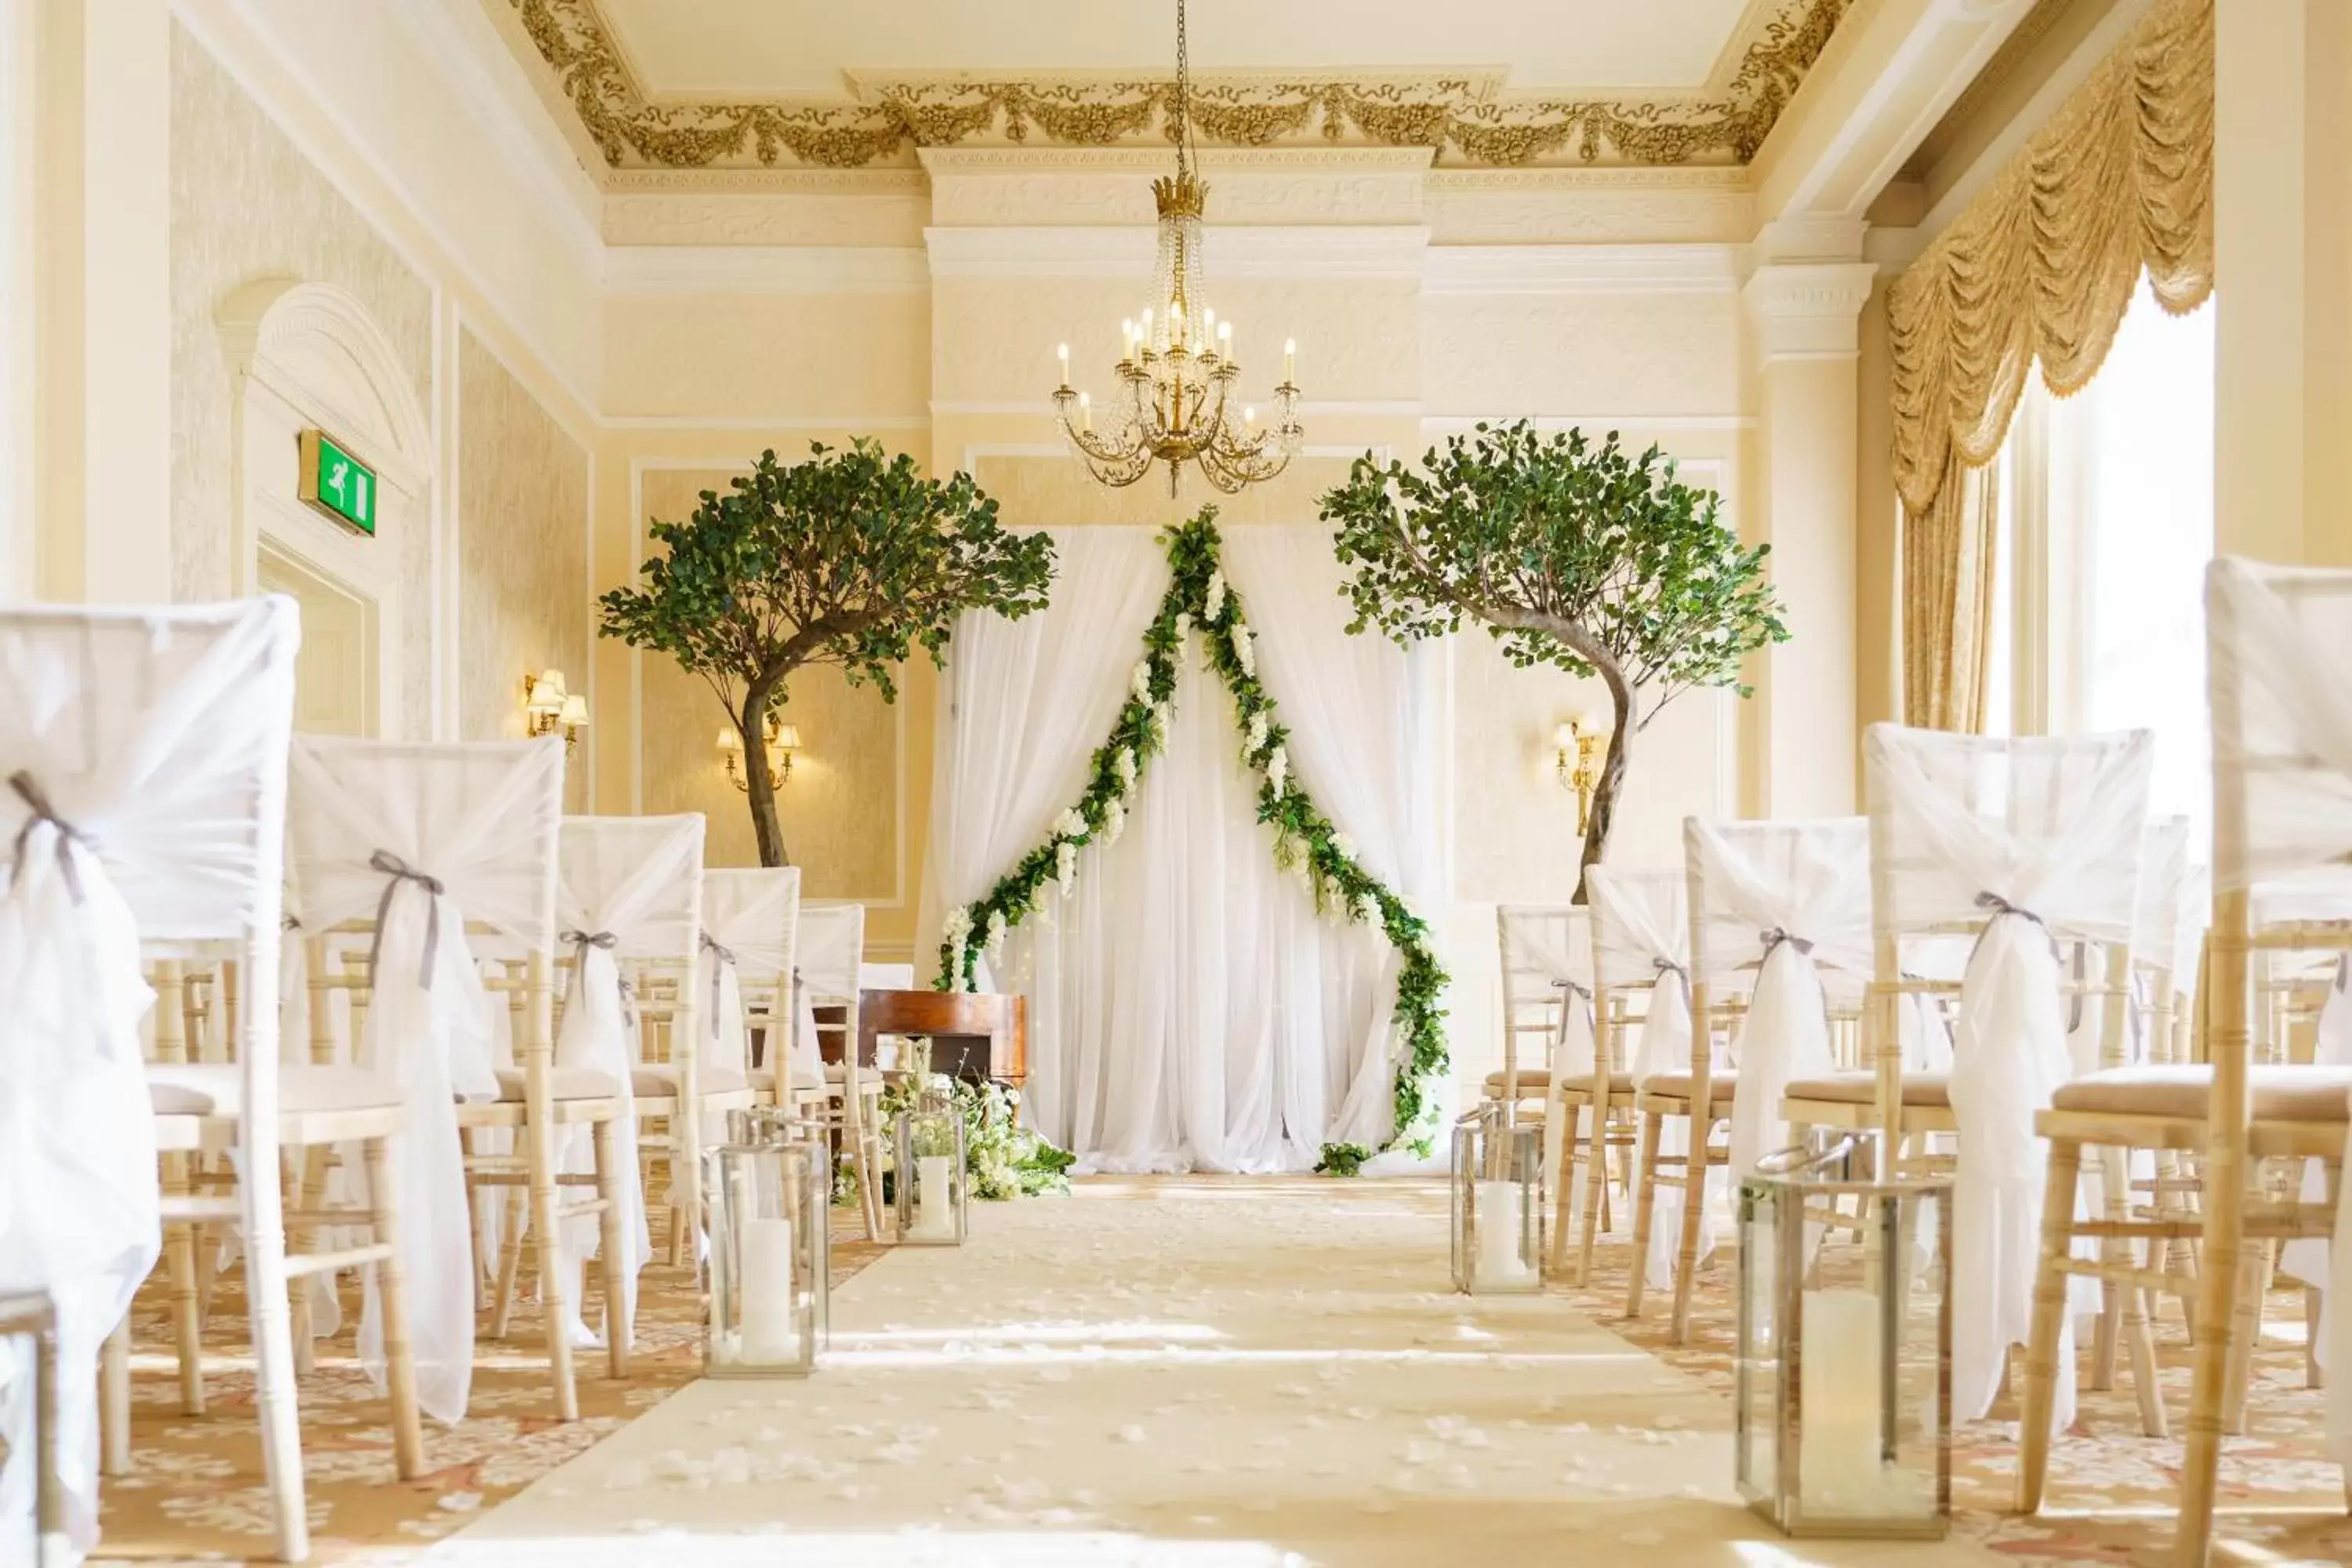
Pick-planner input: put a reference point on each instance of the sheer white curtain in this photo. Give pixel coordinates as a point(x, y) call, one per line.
point(1022, 705)
point(1189, 1006)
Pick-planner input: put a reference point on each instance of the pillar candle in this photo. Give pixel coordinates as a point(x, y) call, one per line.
point(1499, 1262)
point(932, 1214)
point(767, 1327)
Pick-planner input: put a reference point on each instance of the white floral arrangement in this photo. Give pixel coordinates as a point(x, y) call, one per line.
point(1343, 846)
point(1367, 910)
point(1213, 601)
point(1071, 824)
point(1277, 770)
point(994, 942)
point(1114, 822)
point(1124, 766)
point(955, 930)
point(1139, 681)
point(1183, 626)
point(1244, 654)
point(1066, 866)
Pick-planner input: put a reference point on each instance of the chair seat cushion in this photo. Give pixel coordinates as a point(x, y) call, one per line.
point(765, 1079)
point(562, 1083)
point(661, 1078)
point(2182, 1092)
point(1720, 1085)
point(1581, 1083)
point(1532, 1082)
point(1926, 1090)
point(217, 1089)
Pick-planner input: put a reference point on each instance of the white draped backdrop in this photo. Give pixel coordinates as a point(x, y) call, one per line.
point(1188, 1008)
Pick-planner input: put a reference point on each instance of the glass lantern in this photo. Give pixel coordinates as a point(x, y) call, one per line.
point(1844, 1350)
point(928, 1184)
point(1498, 1204)
point(768, 1245)
point(772, 1125)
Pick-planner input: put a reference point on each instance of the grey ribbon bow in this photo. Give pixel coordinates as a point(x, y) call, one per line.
point(37, 811)
point(397, 872)
point(1999, 907)
point(1777, 935)
point(726, 957)
point(2344, 973)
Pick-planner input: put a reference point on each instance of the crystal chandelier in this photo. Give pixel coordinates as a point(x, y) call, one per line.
point(1177, 372)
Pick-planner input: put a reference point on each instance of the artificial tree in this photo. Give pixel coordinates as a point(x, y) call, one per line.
point(1592, 559)
point(850, 559)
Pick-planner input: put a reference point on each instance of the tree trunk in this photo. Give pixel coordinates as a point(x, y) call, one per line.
point(1603, 814)
point(751, 725)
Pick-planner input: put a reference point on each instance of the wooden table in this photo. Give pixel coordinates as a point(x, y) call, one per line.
point(973, 1036)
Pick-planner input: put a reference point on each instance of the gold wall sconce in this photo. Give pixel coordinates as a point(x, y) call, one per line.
point(779, 741)
point(1579, 746)
point(548, 706)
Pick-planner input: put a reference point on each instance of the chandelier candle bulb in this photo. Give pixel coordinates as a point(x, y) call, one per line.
point(1086, 410)
point(1064, 352)
point(1289, 361)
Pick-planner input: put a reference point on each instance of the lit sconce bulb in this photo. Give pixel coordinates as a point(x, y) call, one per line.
point(1209, 324)
point(1226, 334)
point(1249, 415)
point(1289, 359)
point(1064, 352)
point(1127, 336)
point(1085, 411)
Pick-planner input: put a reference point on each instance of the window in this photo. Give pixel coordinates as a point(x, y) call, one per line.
point(2106, 525)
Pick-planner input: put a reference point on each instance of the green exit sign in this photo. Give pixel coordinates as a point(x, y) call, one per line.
point(338, 483)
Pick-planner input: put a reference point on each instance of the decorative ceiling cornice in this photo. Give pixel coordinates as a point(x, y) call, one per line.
point(1466, 119)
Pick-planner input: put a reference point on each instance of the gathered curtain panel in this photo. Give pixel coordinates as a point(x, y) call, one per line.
point(2038, 268)
point(1189, 1006)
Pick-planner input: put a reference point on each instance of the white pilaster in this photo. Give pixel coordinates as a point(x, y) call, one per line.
point(1801, 732)
point(2282, 256)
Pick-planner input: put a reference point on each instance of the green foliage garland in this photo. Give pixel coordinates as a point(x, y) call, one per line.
point(1198, 599)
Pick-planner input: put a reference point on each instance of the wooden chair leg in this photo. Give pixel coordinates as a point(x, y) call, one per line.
point(2049, 1319)
point(275, 1390)
point(1693, 1227)
point(114, 1399)
point(1645, 1199)
point(2218, 1280)
point(1563, 1198)
point(1596, 1187)
point(310, 1190)
point(516, 1201)
point(187, 1325)
point(391, 1283)
point(2246, 1333)
point(2114, 1171)
point(2140, 1338)
point(615, 1264)
point(554, 1306)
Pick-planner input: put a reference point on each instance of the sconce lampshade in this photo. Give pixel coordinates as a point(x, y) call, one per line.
point(547, 694)
point(729, 740)
point(788, 738)
point(575, 712)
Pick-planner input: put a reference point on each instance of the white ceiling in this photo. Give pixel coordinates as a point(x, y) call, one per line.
point(768, 49)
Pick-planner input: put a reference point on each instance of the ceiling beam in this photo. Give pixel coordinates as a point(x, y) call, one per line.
point(1889, 73)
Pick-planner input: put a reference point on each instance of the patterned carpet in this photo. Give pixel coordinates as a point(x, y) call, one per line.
point(195, 1493)
point(2111, 1491)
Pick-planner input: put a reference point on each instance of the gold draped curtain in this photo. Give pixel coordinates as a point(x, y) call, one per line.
point(2038, 268)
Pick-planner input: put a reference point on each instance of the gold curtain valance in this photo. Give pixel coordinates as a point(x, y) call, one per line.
point(2042, 265)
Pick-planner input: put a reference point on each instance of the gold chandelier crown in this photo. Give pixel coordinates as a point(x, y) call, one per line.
point(1181, 195)
point(1176, 370)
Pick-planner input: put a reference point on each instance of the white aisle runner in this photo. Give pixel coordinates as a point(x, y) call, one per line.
point(1195, 1374)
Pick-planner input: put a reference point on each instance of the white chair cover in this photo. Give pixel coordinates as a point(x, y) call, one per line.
point(2278, 661)
point(1641, 938)
point(749, 920)
point(1785, 900)
point(2044, 834)
point(423, 838)
point(827, 950)
point(629, 887)
point(1547, 963)
point(144, 758)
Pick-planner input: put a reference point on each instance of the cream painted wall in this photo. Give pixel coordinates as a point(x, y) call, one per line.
point(247, 206)
point(522, 535)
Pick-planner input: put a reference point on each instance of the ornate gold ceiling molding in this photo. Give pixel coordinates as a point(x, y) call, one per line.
point(1464, 118)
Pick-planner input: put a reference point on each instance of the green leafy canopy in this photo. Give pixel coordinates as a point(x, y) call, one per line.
point(850, 558)
point(1572, 554)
